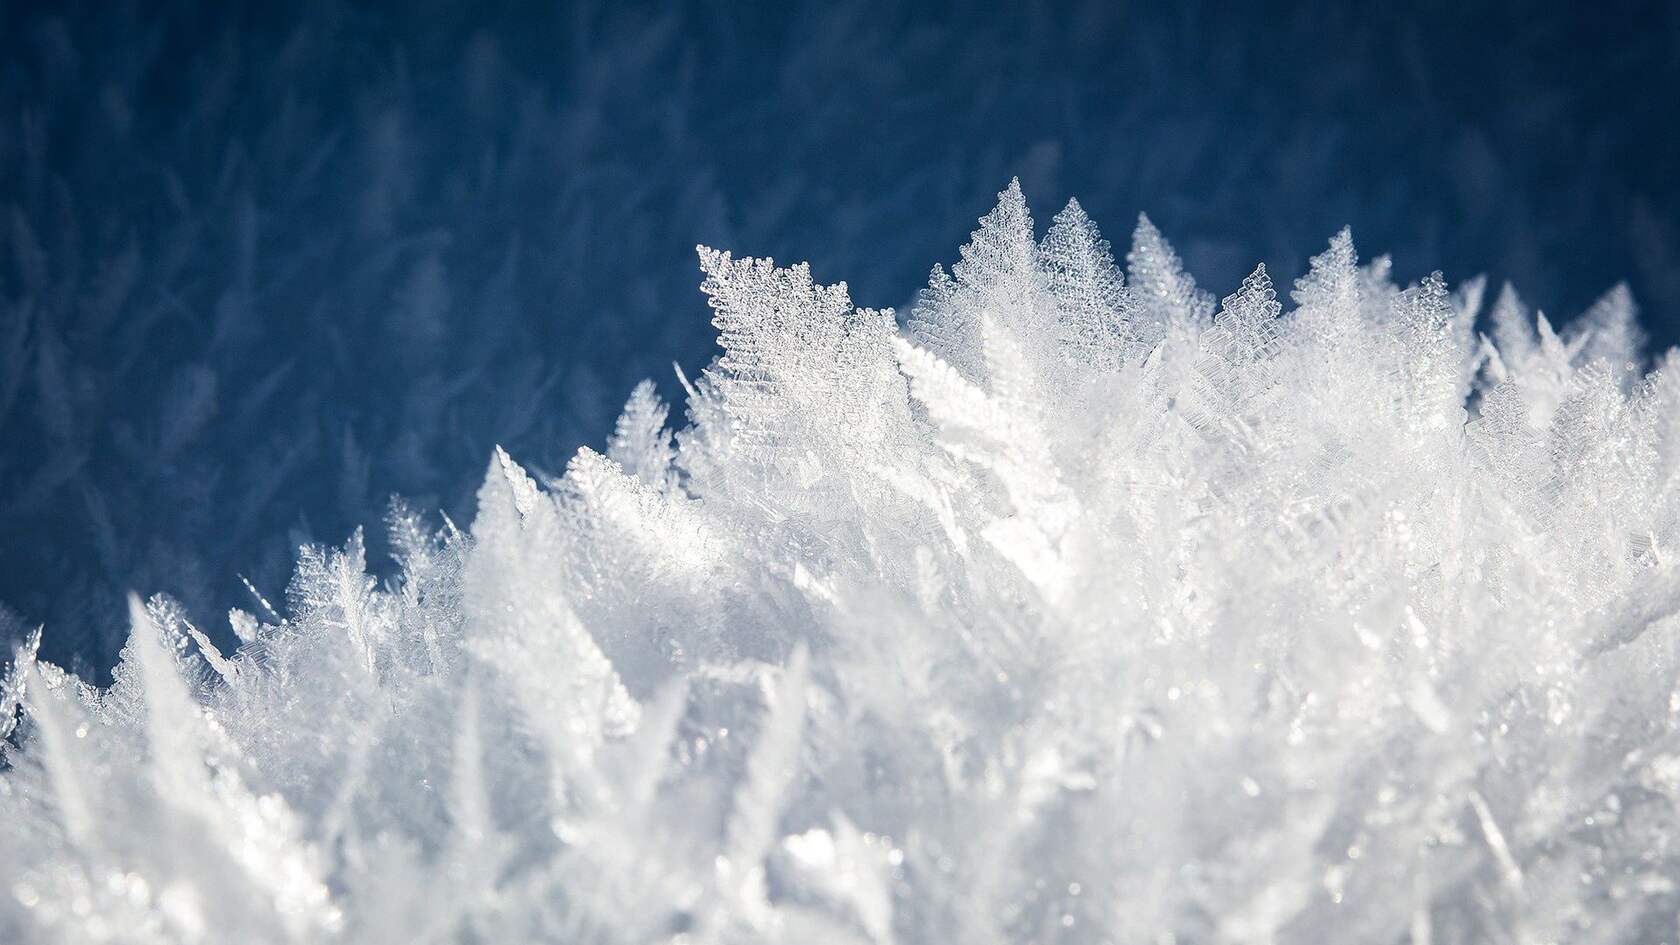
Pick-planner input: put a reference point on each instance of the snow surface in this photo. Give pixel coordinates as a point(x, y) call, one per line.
point(1083, 609)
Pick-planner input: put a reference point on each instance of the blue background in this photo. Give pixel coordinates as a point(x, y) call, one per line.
point(263, 267)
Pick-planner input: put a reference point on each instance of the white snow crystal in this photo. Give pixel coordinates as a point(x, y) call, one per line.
point(1081, 609)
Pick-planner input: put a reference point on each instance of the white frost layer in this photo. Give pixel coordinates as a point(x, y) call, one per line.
point(1083, 609)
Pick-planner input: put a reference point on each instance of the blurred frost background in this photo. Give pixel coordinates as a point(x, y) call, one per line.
point(262, 268)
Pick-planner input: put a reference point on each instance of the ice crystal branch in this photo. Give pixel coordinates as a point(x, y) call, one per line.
point(1082, 609)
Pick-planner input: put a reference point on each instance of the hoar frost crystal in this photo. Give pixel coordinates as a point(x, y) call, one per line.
point(1083, 609)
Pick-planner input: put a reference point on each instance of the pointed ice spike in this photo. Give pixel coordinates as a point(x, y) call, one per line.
point(1556, 352)
point(16, 681)
point(785, 341)
point(172, 717)
point(1329, 297)
point(1089, 289)
point(948, 396)
point(1513, 331)
point(212, 655)
point(333, 585)
point(640, 442)
point(1467, 300)
point(933, 320)
point(939, 323)
point(61, 757)
point(1467, 306)
point(1003, 247)
point(998, 272)
point(1434, 360)
point(1332, 279)
point(1425, 312)
point(522, 488)
point(525, 626)
point(1250, 315)
point(1609, 331)
point(1245, 332)
point(1167, 294)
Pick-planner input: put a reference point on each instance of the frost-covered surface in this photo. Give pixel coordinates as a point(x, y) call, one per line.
point(264, 264)
point(1083, 609)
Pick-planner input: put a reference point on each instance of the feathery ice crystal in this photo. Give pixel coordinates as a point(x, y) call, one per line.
point(1083, 609)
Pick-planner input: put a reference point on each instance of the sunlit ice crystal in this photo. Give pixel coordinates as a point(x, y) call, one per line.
point(1078, 605)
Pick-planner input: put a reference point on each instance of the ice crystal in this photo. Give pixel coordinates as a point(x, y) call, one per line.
point(1080, 609)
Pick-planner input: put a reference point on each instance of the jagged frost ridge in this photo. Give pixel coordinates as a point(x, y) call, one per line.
point(1082, 610)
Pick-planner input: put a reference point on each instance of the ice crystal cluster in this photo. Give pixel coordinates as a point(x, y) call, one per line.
point(1081, 608)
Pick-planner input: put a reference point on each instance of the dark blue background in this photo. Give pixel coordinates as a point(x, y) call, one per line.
point(263, 267)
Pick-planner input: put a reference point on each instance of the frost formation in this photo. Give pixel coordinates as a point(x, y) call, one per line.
point(1082, 609)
